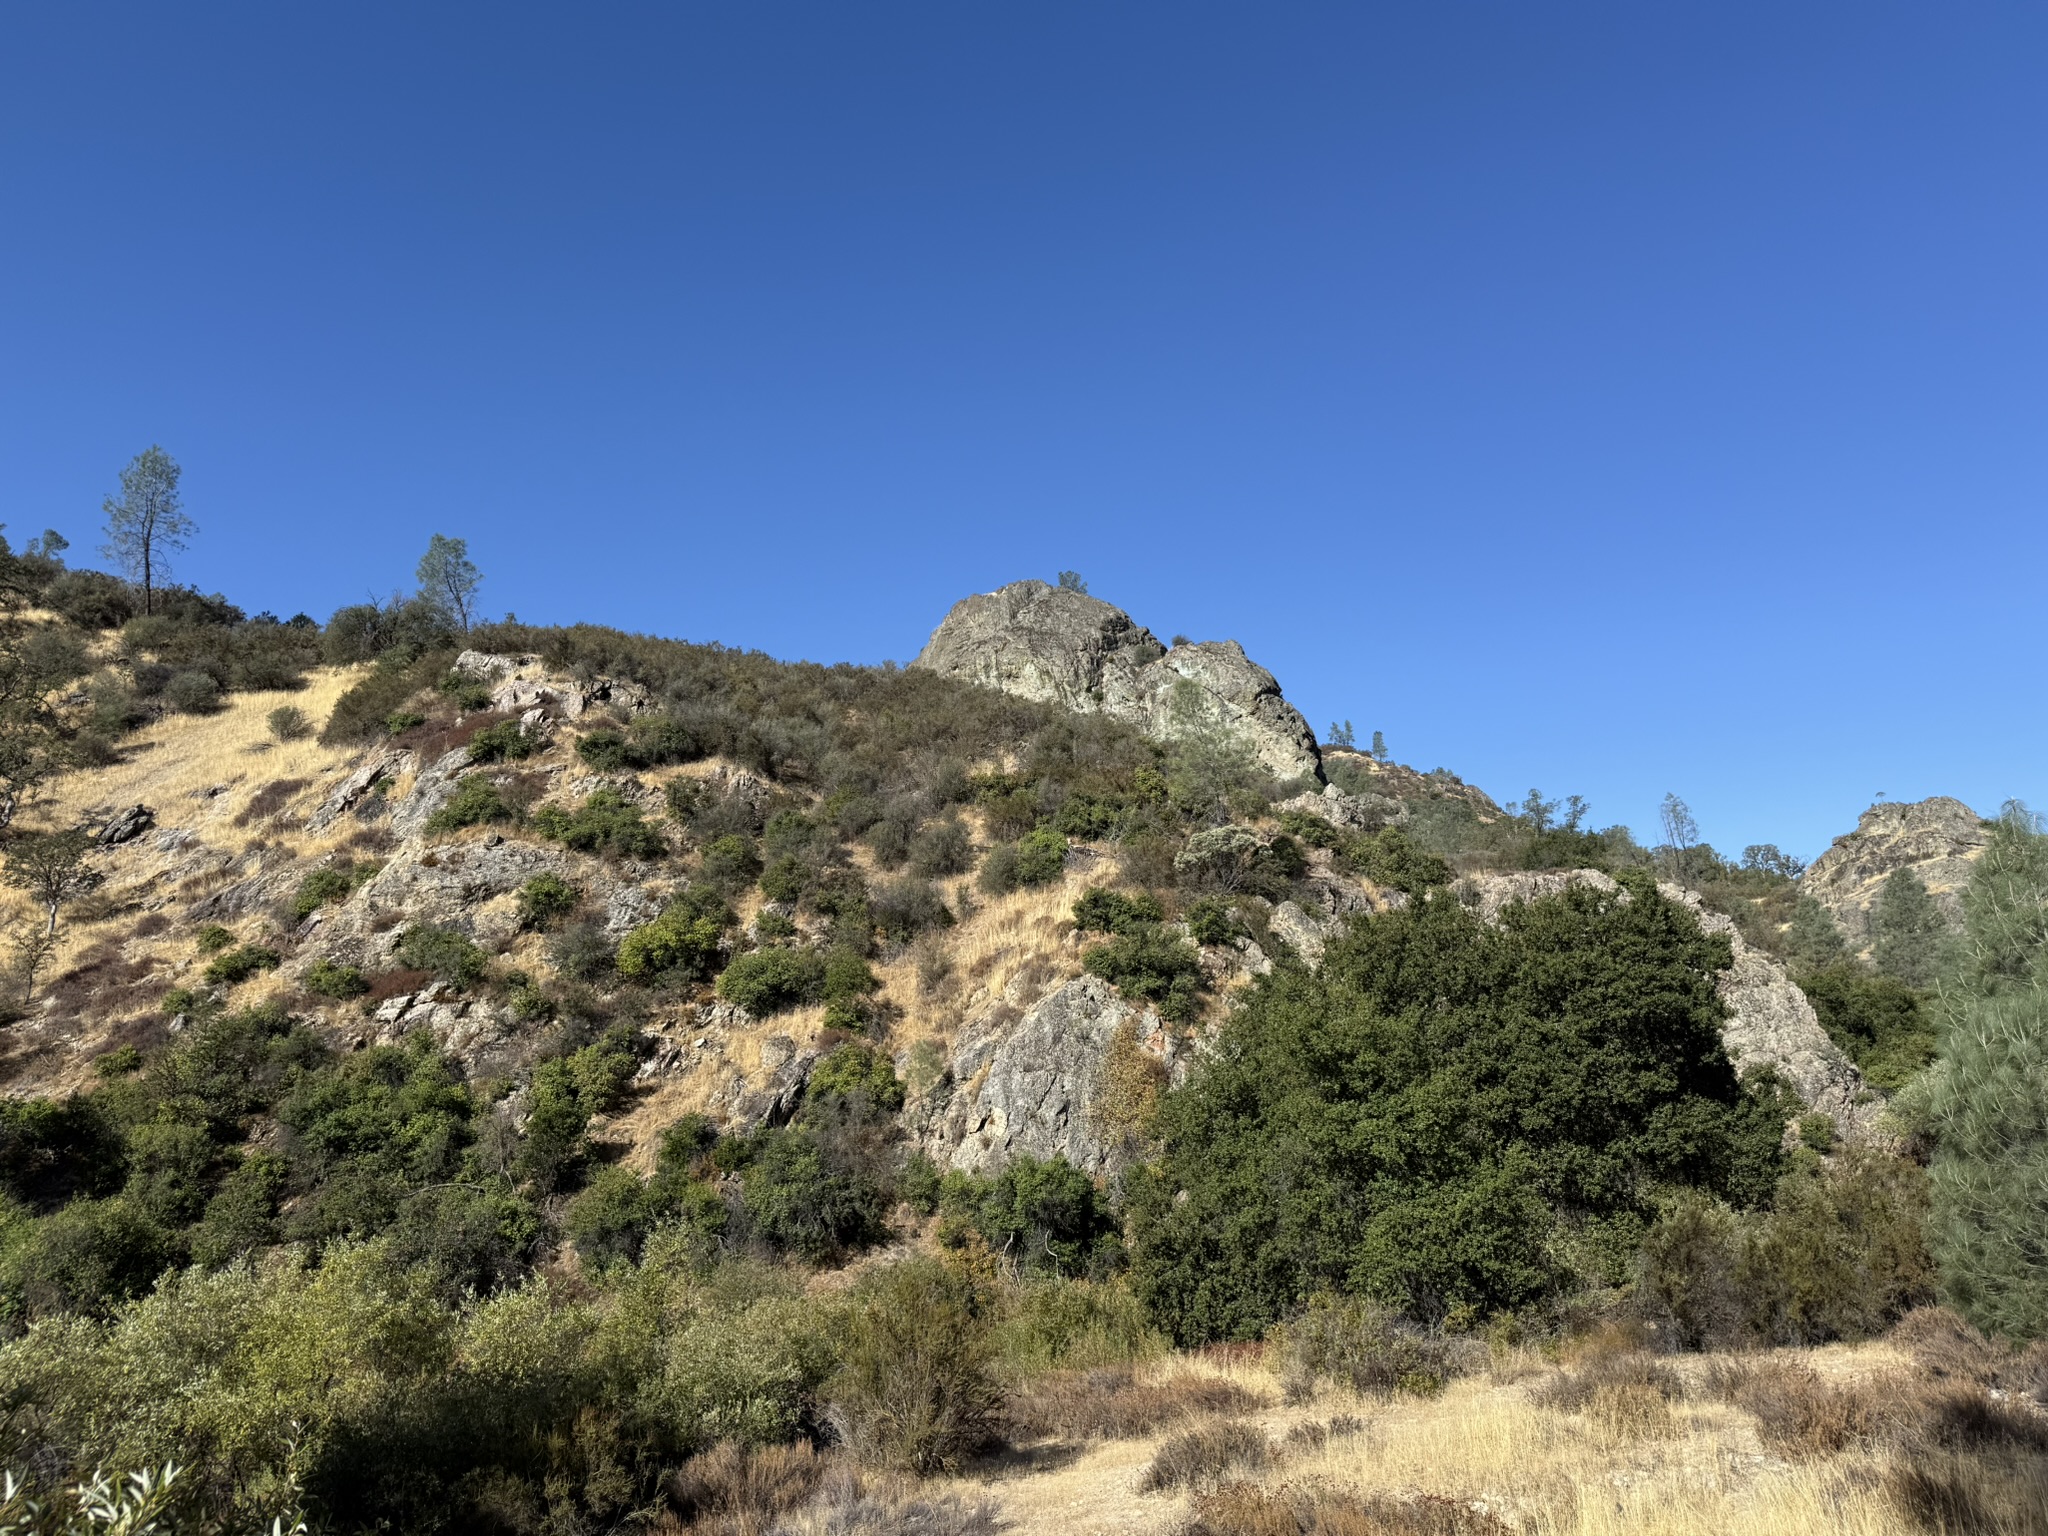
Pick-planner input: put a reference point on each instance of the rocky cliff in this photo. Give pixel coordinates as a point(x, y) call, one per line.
point(1939, 839)
point(1064, 647)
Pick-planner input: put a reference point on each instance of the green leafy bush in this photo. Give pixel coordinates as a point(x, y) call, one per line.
point(1041, 857)
point(684, 943)
point(941, 847)
point(476, 802)
point(1452, 1088)
point(730, 863)
point(213, 938)
point(332, 882)
point(443, 952)
point(1150, 963)
point(507, 741)
point(1043, 1217)
point(1390, 858)
point(606, 823)
point(1371, 1349)
point(234, 966)
point(772, 981)
point(803, 1194)
point(905, 908)
point(288, 722)
point(545, 900)
point(1211, 921)
point(857, 1071)
point(1100, 911)
point(1882, 1024)
point(914, 1388)
point(324, 978)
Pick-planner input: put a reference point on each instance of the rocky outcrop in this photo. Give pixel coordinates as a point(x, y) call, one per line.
point(434, 788)
point(1770, 1023)
point(1367, 777)
point(379, 768)
point(523, 683)
point(1038, 1080)
point(1353, 813)
point(1938, 839)
point(1063, 647)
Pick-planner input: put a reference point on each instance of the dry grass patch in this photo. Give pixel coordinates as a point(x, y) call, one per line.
point(1113, 1404)
point(1246, 1509)
point(1200, 1457)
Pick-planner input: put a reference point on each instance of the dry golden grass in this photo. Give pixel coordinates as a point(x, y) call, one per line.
point(1642, 1453)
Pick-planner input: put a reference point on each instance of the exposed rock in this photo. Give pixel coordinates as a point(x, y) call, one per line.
point(745, 1104)
point(434, 788)
point(448, 884)
point(1032, 1081)
point(384, 767)
point(1365, 775)
point(1353, 813)
point(127, 826)
point(1306, 934)
point(1063, 647)
point(521, 684)
point(1938, 839)
point(486, 1039)
point(627, 908)
point(1770, 1023)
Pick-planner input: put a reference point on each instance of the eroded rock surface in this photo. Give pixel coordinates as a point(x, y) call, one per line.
point(1062, 647)
point(1939, 839)
point(1036, 1081)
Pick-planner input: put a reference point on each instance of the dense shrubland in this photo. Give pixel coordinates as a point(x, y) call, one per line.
point(362, 1288)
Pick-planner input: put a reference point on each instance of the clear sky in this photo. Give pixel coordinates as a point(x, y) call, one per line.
point(1616, 399)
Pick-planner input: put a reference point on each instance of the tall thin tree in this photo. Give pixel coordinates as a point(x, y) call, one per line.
point(449, 579)
point(145, 522)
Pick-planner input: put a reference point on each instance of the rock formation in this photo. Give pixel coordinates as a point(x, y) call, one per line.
point(1035, 1080)
point(1938, 839)
point(1063, 647)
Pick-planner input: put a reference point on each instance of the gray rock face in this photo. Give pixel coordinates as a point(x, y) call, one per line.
point(378, 767)
point(1770, 1022)
point(434, 788)
point(1938, 839)
point(1033, 1083)
point(1060, 647)
point(520, 684)
point(1355, 813)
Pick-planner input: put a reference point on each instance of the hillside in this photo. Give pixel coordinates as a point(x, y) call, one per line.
point(627, 1044)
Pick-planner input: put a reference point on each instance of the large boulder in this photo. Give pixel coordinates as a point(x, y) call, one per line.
point(1939, 839)
point(1058, 646)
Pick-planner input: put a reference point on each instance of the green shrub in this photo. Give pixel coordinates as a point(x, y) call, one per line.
point(118, 1062)
point(905, 908)
point(366, 710)
point(1389, 858)
point(399, 721)
point(234, 966)
point(1841, 1254)
point(1454, 1088)
point(1370, 1349)
point(730, 863)
point(805, 1196)
point(1100, 911)
point(465, 691)
point(1055, 1325)
point(1041, 857)
point(324, 978)
point(606, 823)
point(581, 952)
point(213, 938)
point(288, 722)
point(507, 741)
point(444, 952)
point(857, 1071)
point(608, 1220)
point(476, 802)
point(1041, 1217)
point(1214, 922)
point(605, 751)
point(941, 848)
point(331, 883)
point(1881, 1024)
point(545, 900)
point(1150, 963)
point(193, 693)
point(914, 1389)
point(772, 981)
point(683, 943)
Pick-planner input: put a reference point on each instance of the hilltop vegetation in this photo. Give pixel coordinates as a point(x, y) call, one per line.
point(531, 1112)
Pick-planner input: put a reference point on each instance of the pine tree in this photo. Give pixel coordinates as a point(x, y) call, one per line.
point(1907, 931)
point(145, 521)
point(1986, 1097)
point(1812, 941)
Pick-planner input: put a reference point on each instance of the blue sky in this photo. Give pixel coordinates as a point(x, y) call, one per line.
point(1608, 398)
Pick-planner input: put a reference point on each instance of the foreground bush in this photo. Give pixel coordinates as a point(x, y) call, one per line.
point(1374, 1352)
point(914, 1391)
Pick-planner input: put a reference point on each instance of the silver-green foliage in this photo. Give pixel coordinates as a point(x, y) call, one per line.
point(1986, 1097)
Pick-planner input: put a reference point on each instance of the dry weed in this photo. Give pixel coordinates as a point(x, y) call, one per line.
point(854, 1505)
point(1801, 1414)
point(1948, 1495)
point(1245, 1509)
point(1203, 1455)
point(737, 1490)
point(1111, 1404)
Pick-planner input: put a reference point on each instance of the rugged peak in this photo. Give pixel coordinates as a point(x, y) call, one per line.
point(1939, 839)
point(1059, 646)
